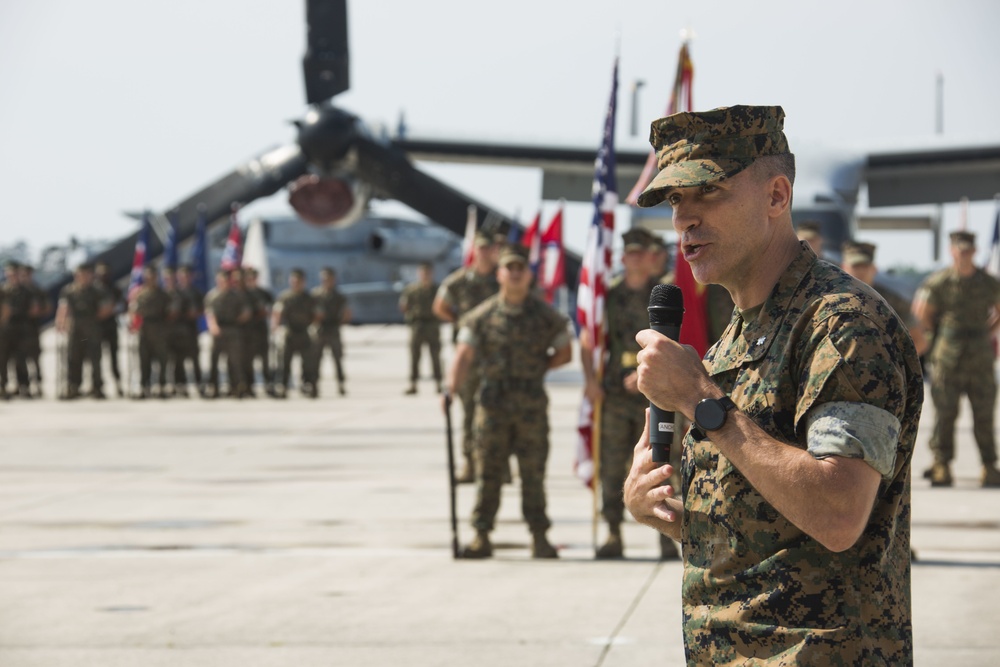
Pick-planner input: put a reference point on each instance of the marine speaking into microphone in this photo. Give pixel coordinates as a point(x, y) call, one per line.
point(666, 310)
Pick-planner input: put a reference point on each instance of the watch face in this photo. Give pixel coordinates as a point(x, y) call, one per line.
point(709, 414)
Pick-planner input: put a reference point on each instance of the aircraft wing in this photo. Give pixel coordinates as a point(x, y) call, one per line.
point(257, 178)
point(567, 172)
point(933, 176)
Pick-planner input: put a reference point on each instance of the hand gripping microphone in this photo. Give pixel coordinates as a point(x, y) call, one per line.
point(666, 309)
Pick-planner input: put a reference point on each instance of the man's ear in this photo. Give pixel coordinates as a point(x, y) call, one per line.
point(780, 192)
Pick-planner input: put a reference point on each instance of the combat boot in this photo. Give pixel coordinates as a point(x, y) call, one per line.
point(612, 548)
point(990, 479)
point(540, 547)
point(941, 475)
point(479, 548)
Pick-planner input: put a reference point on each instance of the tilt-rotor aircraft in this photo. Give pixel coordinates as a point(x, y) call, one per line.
point(336, 165)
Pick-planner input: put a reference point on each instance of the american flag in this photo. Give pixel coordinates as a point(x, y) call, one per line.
point(138, 263)
point(232, 254)
point(594, 274)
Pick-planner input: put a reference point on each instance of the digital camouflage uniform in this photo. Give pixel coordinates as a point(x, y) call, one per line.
point(331, 304)
point(189, 304)
point(512, 346)
point(257, 338)
point(41, 307)
point(298, 312)
point(461, 291)
point(228, 307)
point(416, 301)
point(84, 304)
point(109, 327)
point(14, 336)
point(962, 358)
point(153, 305)
point(623, 415)
point(823, 362)
point(6, 340)
point(898, 304)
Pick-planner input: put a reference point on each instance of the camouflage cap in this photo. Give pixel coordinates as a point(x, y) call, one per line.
point(963, 239)
point(637, 238)
point(484, 239)
point(808, 229)
point(856, 252)
point(695, 148)
point(512, 254)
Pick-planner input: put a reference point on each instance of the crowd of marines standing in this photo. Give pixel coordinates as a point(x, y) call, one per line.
point(257, 334)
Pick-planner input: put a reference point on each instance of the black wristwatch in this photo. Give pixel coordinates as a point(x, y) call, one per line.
point(710, 415)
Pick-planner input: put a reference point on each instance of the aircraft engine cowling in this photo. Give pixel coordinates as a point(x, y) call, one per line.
point(408, 247)
point(328, 200)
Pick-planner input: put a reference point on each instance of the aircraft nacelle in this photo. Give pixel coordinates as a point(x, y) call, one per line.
point(328, 200)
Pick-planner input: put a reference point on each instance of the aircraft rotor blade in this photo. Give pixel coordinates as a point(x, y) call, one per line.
point(257, 178)
point(393, 176)
point(326, 61)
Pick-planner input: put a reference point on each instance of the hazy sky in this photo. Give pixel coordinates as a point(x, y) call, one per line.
point(113, 105)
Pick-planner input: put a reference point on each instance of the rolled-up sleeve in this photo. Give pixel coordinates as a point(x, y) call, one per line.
point(856, 431)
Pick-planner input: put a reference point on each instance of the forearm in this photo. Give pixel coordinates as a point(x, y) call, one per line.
point(561, 357)
point(459, 369)
point(829, 498)
point(442, 311)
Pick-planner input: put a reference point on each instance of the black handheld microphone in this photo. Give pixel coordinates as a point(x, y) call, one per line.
point(666, 310)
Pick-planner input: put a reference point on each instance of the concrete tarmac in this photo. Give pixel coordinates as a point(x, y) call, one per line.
point(316, 532)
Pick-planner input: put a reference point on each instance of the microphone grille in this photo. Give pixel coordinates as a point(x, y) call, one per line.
point(666, 296)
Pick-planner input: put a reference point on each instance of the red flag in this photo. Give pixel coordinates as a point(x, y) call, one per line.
point(694, 328)
point(594, 273)
point(469, 242)
point(554, 263)
point(532, 240)
point(680, 99)
point(232, 255)
point(139, 258)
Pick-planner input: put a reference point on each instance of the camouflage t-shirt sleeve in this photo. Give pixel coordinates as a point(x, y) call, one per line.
point(854, 431)
point(854, 393)
point(444, 293)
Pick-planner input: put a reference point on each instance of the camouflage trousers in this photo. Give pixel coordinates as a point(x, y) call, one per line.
point(467, 394)
point(32, 346)
point(623, 417)
point(84, 342)
point(425, 333)
point(183, 346)
point(300, 343)
point(330, 338)
point(109, 338)
point(229, 342)
point(520, 426)
point(13, 348)
point(153, 349)
point(967, 370)
point(255, 346)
